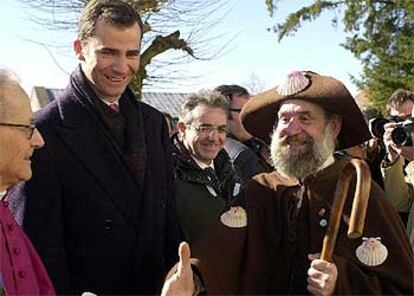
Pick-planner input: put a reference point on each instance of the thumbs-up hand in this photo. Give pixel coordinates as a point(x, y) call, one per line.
point(182, 282)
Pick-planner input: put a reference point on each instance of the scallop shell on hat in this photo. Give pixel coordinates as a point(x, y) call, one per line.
point(294, 83)
point(372, 252)
point(235, 217)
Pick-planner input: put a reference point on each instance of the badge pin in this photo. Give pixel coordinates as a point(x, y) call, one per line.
point(321, 212)
point(236, 189)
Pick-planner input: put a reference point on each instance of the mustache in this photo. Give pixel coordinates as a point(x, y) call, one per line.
point(301, 138)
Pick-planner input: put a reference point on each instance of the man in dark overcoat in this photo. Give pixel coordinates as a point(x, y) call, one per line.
point(285, 213)
point(101, 208)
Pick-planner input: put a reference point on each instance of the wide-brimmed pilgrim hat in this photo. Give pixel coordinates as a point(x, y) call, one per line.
point(259, 115)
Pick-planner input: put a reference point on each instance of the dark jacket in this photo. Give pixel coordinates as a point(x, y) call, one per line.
point(197, 207)
point(97, 226)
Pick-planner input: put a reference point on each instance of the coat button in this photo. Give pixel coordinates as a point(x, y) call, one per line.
point(162, 203)
point(16, 251)
point(108, 224)
point(22, 274)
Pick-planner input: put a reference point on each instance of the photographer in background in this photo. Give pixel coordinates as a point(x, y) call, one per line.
point(401, 103)
point(398, 175)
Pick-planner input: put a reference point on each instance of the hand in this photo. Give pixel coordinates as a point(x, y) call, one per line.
point(181, 283)
point(393, 151)
point(407, 152)
point(322, 276)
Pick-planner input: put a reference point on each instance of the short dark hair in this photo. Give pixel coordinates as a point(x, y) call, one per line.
point(115, 12)
point(399, 97)
point(232, 90)
point(208, 98)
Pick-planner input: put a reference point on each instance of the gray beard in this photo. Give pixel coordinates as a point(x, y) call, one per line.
point(301, 163)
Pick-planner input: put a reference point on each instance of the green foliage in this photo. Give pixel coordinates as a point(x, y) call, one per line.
point(380, 35)
point(308, 13)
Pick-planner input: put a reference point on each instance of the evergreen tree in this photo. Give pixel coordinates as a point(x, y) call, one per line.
point(380, 35)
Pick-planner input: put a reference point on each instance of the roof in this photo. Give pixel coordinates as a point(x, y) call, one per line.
point(163, 101)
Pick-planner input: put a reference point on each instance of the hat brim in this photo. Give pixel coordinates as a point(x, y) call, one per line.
point(259, 114)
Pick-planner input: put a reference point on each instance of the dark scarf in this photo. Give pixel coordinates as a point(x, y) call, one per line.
point(187, 170)
point(124, 129)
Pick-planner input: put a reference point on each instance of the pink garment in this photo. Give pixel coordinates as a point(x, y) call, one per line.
point(21, 268)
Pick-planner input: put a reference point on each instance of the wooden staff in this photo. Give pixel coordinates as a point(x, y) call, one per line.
point(359, 205)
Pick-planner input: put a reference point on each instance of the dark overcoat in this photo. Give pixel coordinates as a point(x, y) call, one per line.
point(95, 226)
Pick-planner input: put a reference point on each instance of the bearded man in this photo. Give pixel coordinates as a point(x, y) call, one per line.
point(272, 236)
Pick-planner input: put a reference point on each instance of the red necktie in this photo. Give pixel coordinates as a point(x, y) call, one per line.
point(114, 106)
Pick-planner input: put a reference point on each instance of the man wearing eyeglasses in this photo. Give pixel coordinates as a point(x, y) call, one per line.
point(206, 181)
point(249, 155)
point(21, 270)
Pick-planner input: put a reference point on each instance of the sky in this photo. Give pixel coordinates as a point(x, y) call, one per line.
point(252, 52)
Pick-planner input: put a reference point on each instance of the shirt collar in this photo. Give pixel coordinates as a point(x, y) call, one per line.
point(109, 103)
point(201, 164)
point(327, 162)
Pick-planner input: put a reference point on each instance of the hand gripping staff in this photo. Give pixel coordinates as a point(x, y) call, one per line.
point(359, 204)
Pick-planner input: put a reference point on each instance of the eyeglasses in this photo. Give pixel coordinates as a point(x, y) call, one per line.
point(235, 110)
point(206, 129)
point(31, 127)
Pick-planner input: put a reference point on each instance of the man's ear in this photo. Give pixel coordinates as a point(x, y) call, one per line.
point(181, 128)
point(77, 47)
point(336, 125)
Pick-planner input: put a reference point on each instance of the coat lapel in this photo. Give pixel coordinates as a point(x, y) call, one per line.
point(85, 136)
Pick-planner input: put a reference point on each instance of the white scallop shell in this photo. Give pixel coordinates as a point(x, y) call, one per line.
point(295, 82)
point(372, 252)
point(235, 217)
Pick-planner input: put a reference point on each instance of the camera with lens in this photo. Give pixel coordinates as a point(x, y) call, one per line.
point(376, 125)
point(401, 134)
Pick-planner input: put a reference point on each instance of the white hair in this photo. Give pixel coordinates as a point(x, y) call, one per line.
point(7, 78)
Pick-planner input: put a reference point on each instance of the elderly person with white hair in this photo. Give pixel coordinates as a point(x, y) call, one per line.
point(21, 270)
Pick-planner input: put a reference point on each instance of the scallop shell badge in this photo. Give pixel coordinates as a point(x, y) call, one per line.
point(372, 252)
point(234, 218)
point(295, 82)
